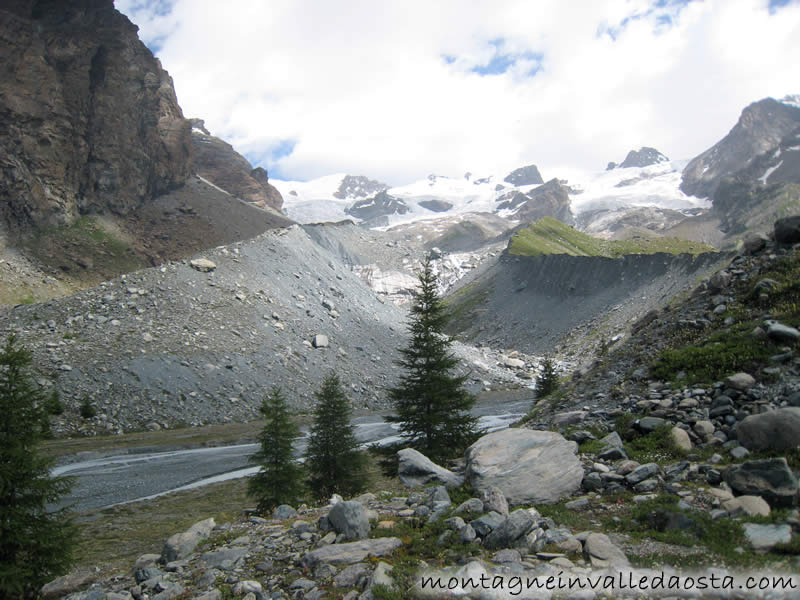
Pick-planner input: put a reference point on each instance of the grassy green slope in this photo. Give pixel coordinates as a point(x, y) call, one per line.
point(550, 236)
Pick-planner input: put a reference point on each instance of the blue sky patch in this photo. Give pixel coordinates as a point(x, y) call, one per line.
point(269, 158)
point(776, 5)
point(502, 61)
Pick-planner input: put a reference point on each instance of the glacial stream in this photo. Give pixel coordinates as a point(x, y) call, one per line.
point(122, 479)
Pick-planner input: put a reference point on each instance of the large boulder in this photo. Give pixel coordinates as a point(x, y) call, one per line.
point(529, 467)
point(349, 519)
point(773, 430)
point(415, 469)
point(787, 230)
point(181, 545)
point(352, 552)
point(601, 551)
point(772, 479)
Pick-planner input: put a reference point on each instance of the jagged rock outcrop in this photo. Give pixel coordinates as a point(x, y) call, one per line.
point(381, 204)
point(89, 121)
point(643, 157)
point(548, 200)
point(761, 127)
point(358, 186)
point(528, 175)
point(217, 161)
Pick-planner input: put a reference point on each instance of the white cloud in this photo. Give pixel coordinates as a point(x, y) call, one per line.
point(386, 89)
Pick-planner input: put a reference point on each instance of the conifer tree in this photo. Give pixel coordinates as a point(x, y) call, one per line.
point(334, 460)
point(431, 403)
point(280, 479)
point(547, 382)
point(35, 543)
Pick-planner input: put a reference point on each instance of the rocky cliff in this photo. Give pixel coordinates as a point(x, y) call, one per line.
point(760, 129)
point(89, 121)
point(217, 161)
point(548, 200)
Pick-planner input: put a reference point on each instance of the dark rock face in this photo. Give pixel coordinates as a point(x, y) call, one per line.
point(436, 205)
point(760, 129)
point(380, 205)
point(217, 161)
point(358, 186)
point(89, 121)
point(643, 157)
point(787, 230)
point(548, 200)
point(524, 176)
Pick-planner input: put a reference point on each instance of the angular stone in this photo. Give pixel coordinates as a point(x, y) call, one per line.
point(484, 525)
point(225, 558)
point(351, 552)
point(649, 424)
point(782, 333)
point(774, 430)
point(320, 341)
point(769, 478)
point(203, 265)
point(599, 549)
point(764, 537)
point(747, 505)
point(494, 500)
point(183, 544)
point(787, 230)
point(641, 473)
point(740, 381)
point(681, 439)
point(516, 525)
point(529, 467)
point(568, 418)
point(350, 576)
point(414, 469)
point(473, 506)
point(284, 511)
point(349, 519)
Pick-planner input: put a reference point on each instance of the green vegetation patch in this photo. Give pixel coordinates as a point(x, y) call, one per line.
point(550, 236)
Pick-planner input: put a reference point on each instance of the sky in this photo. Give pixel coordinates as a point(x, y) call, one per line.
point(397, 90)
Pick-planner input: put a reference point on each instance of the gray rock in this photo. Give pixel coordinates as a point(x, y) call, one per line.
point(351, 552)
point(769, 478)
point(473, 506)
point(350, 576)
point(754, 243)
point(773, 430)
point(203, 265)
point(568, 418)
point(681, 439)
point(350, 520)
point(415, 469)
point(183, 544)
point(284, 511)
point(515, 526)
point(225, 558)
point(782, 333)
point(494, 500)
point(529, 467)
point(507, 555)
point(641, 473)
point(787, 230)
point(484, 525)
point(602, 552)
point(320, 341)
point(764, 537)
point(468, 534)
point(592, 482)
point(649, 424)
point(740, 381)
point(747, 505)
